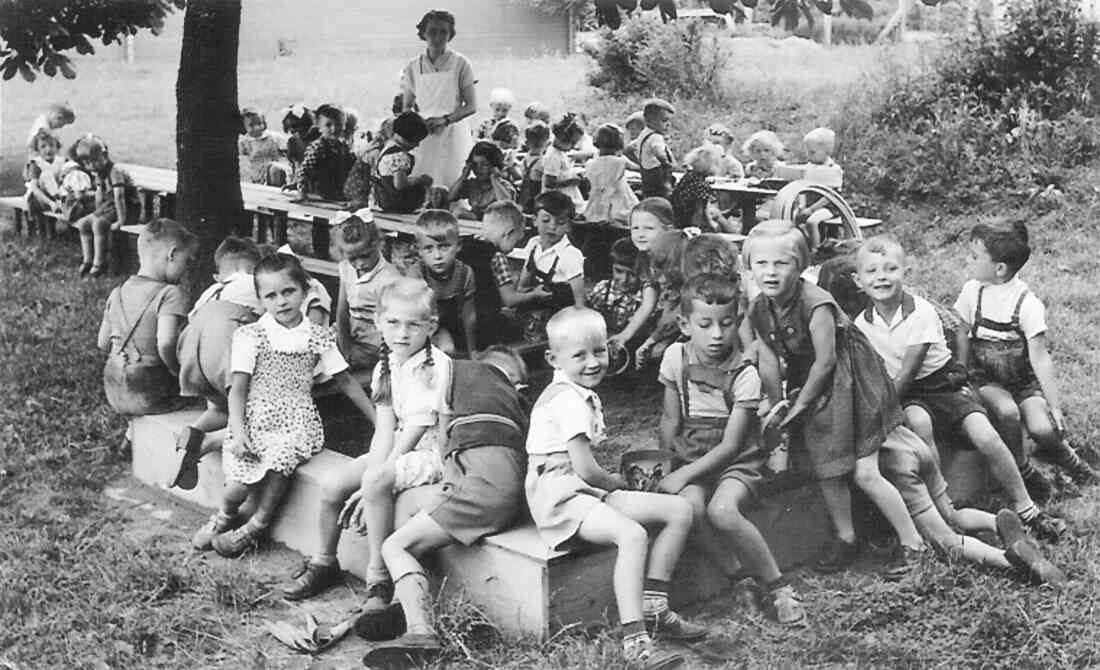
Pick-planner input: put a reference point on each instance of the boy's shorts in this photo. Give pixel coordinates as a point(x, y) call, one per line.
point(1021, 390)
point(913, 468)
point(482, 492)
point(416, 468)
point(948, 410)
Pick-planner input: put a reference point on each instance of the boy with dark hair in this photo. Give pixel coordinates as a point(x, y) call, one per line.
point(1008, 358)
point(654, 157)
point(618, 298)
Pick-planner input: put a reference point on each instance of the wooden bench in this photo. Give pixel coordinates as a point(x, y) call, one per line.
point(24, 223)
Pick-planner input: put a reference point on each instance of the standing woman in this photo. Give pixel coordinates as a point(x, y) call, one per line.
point(440, 85)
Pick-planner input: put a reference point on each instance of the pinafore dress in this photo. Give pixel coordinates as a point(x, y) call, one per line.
point(282, 421)
point(859, 409)
point(443, 153)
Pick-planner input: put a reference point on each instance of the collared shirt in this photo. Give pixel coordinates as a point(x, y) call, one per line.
point(827, 174)
point(419, 392)
point(570, 259)
point(238, 288)
point(449, 60)
point(705, 401)
point(617, 306)
point(564, 410)
point(362, 290)
point(294, 340)
point(998, 304)
point(914, 323)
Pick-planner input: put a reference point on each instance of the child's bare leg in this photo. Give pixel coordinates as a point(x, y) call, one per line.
point(988, 441)
point(378, 500)
point(401, 552)
point(702, 532)
point(967, 519)
point(233, 496)
point(724, 513)
point(83, 225)
point(101, 239)
point(935, 529)
point(607, 526)
point(672, 513)
point(1006, 416)
point(273, 488)
point(919, 421)
point(838, 503)
point(886, 497)
point(212, 418)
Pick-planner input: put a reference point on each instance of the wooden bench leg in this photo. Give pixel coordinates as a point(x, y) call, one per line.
point(20, 225)
point(321, 239)
point(279, 224)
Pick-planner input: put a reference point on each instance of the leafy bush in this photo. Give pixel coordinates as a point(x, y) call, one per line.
point(677, 59)
point(996, 113)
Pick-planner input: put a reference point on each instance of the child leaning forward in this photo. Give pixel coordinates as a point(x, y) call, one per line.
point(711, 398)
point(572, 498)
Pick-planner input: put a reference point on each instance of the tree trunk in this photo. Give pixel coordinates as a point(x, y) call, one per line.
point(208, 187)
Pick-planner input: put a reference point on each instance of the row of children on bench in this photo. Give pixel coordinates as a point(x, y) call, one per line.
point(562, 477)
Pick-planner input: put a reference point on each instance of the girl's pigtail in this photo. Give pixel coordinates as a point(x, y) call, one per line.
point(429, 364)
point(384, 393)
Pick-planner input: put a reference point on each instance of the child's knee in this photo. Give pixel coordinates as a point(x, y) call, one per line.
point(378, 481)
point(866, 474)
point(1003, 410)
point(919, 421)
point(680, 512)
point(724, 514)
point(632, 536)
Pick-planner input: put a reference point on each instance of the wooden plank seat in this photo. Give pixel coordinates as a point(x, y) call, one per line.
point(24, 223)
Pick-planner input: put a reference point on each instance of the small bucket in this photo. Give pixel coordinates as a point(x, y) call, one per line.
point(644, 469)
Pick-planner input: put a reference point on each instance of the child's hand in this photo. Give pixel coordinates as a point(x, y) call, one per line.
point(797, 410)
point(435, 123)
point(615, 342)
point(1059, 420)
point(352, 513)
point(467, 169)
point(240, 446)
point(642, 354)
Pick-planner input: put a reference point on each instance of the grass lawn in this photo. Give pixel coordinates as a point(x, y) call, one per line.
point(98, 581)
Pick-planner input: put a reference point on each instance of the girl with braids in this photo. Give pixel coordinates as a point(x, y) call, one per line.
point(410, 387)
point(273, 424)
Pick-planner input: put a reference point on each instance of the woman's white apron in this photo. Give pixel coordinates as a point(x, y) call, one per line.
point(443, 153)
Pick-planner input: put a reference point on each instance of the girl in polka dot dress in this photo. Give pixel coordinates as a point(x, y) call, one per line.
point(273, 424)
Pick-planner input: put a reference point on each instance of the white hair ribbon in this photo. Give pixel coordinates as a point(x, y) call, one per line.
point(364, 214)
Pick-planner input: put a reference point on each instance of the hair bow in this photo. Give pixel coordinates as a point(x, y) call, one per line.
point(298, 110)
point(363, 214)
point(286, 250)
point(692, 232)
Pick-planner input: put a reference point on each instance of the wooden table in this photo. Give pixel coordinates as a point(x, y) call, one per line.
point(748, 196)
point(271, 205)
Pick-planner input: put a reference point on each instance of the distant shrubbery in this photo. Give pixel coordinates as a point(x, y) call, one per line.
point(648, 57)
point(1011, 110)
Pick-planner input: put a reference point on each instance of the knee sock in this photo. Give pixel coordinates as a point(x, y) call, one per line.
point(655, 597)
point(412, 590)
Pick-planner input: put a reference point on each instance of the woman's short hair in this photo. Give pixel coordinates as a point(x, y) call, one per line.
point(439, 15)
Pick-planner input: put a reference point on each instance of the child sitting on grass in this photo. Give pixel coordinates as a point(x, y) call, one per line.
point(451, 280)
point(648, 220)
point(116, 204)
point(908, 335)
point(537, 136)
point(1008, 358)
point(42, 178)
point(327, 159)
point(654, 157)
point(765, 149)
point(142, 320)
point(363, 272)
point(572, 498)
point(552, 262)
point(396, 188)
point(258, 150)
point(618, 298)
point(273, 424)
point(502, 229)
point(481, 493)
point(481, 183)
point(709, 421)
point(500, 102)
point(843, 406)
point(559, 172)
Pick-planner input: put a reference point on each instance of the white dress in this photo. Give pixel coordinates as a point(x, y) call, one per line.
point(439, 91)
point(610, 198)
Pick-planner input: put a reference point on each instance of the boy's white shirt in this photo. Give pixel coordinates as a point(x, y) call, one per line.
point(828, 174)
point(568, 414)
point(572, 260)
point(913, 324)
point(998, 304)
point(238, 288)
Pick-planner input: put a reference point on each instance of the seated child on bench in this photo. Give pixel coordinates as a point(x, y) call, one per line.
point(451, 280)
point(559, 172)
point(766, 150)
point(820, 143)
point(648, 219)
point(494, 284)
point(481, 493)
point(396, 187)
point(116, 204)
point(363, 272)
point(142, 321)
point(618, 298)
point(259, 151)
point(537, 136)
point(907, 334)
point(42, 178)
point(57, 116)
point(552, 262)
point(572, 498)
point(481, 183)
point(273, 424)
point(709, 421)
point(1008, 358)
point(328, 159)
point(500, 102)
point(411, 390)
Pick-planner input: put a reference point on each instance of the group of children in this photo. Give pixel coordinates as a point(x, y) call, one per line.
point(849, 379)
